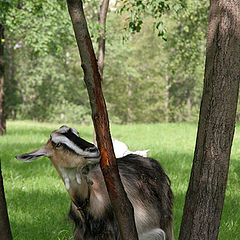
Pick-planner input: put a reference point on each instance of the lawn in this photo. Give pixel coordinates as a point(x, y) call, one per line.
point(38, 202)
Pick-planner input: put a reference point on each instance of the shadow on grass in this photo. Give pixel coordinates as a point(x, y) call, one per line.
point(230, 221)
point(178, 167)
point(39, 215)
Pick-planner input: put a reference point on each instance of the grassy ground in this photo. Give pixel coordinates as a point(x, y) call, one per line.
point(36, 197)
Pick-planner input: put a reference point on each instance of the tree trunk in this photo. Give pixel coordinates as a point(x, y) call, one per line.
point(206, 191)
point(101, 45)
point(2, 116)
point(5, 231)
point(129, 95)
point(189, 105)
point(102, 17)
point(121, 205)
point(167, 100)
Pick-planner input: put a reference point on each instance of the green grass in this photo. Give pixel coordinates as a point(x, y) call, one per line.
point(38, 202)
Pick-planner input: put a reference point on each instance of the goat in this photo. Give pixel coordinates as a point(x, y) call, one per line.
point(145, 182)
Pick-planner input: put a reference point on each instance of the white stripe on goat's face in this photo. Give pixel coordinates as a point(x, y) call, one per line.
point(73, 142)
point(68, 140)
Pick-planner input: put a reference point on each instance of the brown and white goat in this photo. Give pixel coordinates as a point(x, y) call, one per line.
point(144, 180)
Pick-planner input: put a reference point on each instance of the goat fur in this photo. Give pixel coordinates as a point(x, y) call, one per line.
point(148, 189)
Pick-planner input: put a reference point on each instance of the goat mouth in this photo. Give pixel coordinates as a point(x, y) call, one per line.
point(93, 159)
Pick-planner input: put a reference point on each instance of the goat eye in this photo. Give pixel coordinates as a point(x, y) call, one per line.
point(92, 149)
point(58, 145)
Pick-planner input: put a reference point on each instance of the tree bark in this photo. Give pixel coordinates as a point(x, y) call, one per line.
point(206, 191)
point(121, 205)
point(102, 17)
point(101, 44)
point(2, 115)
point(5, 231)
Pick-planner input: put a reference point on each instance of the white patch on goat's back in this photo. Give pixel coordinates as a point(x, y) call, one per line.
point(142, 153)
point(120, 148)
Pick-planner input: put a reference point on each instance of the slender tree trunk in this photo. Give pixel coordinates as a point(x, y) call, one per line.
point(189, 105)
point(2, 116)
point(5, 231)
point(121, 205)
point(101, 45)
point(206, 191)
point(102, 17)
point(129, 95)
point(167, 100)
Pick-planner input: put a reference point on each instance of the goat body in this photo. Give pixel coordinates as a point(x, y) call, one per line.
point(148, 189)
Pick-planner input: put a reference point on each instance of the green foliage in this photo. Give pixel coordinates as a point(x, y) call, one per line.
point(145, 79)
point(138, 95)
point(38, 202)
point(186, 46)
point(46, 85)
point(44, 25)
point(136, 10)
point(48, 92)
point(4, 6)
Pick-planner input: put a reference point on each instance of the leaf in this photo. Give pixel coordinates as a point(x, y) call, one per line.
point(177, 7)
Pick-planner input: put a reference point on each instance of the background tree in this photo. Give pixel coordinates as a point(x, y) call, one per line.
point(5, 230)
point(102, 17)
point(206, 192)
point(4, 5)
point(2, 114)
point(186, 41)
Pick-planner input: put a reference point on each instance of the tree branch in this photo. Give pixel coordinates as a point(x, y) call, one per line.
point(101, 44)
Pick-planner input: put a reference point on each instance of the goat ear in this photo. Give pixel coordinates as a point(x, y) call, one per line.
point(28, 157)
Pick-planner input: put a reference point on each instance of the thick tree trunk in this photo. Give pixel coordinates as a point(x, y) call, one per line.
point(121, 205)
point(5, 231)
point(2, 116)
point(101, 45)
point(206, 192)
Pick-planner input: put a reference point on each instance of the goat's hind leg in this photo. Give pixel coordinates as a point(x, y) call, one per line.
point(154, 234)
